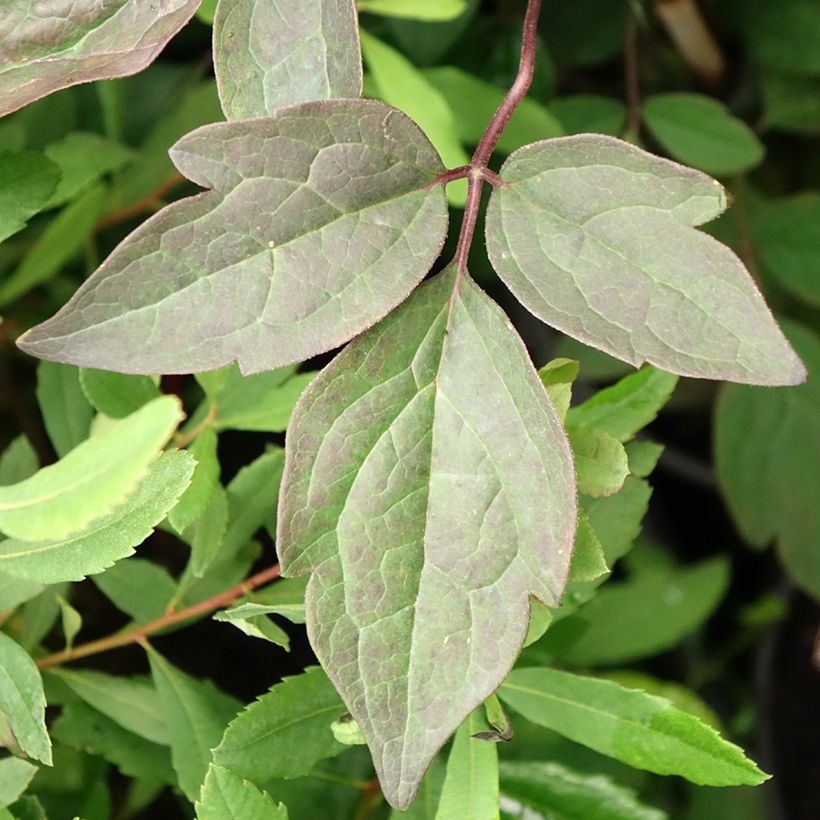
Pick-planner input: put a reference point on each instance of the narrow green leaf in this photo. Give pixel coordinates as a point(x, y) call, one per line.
point(401, 84)
point(203, 483)
point(412, 609)
point(415, 9)
point(84, 728)
point(628, 406)
point(557, 377)
point(596, 237)
point(18, 462)
point(285, 732)
point(22, 700)
point(600, 461)
point(286, 597)
point(27, 182)
point(117, 395)
point(252, 619)
point(616, 520)
point(226, 795)
point(699, 131)
point(62, 240)
point(643, 456)
point(39, 616)
point(474, 101)
point(133, 703)
point(557, 791)
point(138, 588)
point(42, 53)
point(471, 784)
point(15, 775)
point(66, 412)
point(110, 538)
point(209, 247)
point(642, 730)
point(196, 714)
point(272, 54)
point(92, 479)
point(207, 533)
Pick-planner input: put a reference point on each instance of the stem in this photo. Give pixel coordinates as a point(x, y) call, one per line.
point(478, 165)
point(140, 633)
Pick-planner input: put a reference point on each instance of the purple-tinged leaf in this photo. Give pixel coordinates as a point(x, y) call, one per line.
point(322, 219)
point(596, 238)
point(429, 489)
point(273, 53)
point(54, 44)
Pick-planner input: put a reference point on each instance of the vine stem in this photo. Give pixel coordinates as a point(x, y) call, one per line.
point(140, 633)
point(478, 170)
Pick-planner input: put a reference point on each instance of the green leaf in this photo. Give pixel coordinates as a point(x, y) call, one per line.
point(272, 54)
point(347, 731)
point(251, 499)
point(286, 597)
point(401, 84)
point(425, 805)
point(641, 730)
point(66, 412)
point(42, 53)
point(110, 538)
point(409, 460)
point(72, 621)
point(203, 483)
point(18, 461)
point(557, 791)
point(64, 237)
point(699, 131)
point(784, 36)
point(791, 103)
point(415, 9)
point(252, 619)
point(138, 588)
point(589, 114)
point(643, 456)
point(600, 461)
point(14, 591)
point(226, 795)
point(474, 101)
point(285, 732)
point(83, 157)
point(22, 701)
point(208, 532)
point(207, 247)
point(557, 377)
point(628, 406)
point(206, 11)
point(766, 463)
point(29, 808)
point(618, 626)
point(116, 394)
point(616, 520)
point(92, 479)
point(133, 703)
point(787, 244)
point(260, 403)
point(471, 783)
point(594, 236)
point(84, 728)
point(27, 181)
point(196, 714)
point(15, 775)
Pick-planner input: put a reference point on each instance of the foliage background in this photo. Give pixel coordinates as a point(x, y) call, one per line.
point(737, 485)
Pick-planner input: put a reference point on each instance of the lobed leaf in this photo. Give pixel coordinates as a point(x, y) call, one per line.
point(225, 794)
point(45, 48)
point(273, 53)
point(642, 730)
point(63, 498)
point(429, 489)
point(594, 236)
point(111, 537)
point(22, 701)
point(323, 217)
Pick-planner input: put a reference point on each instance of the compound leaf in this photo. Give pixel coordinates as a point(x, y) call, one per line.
point(45, 48)
point(111, 538)
point(63, 498)
point(22, 701)
point(413, 462)
point(595, 237)
point(273, 53)
point(639, 729)
point(323, 217)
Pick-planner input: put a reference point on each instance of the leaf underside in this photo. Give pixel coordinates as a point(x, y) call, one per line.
point(595, 237)
point(48, 46)
point(273, 53)
point(322, 218)
point(429, 489)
